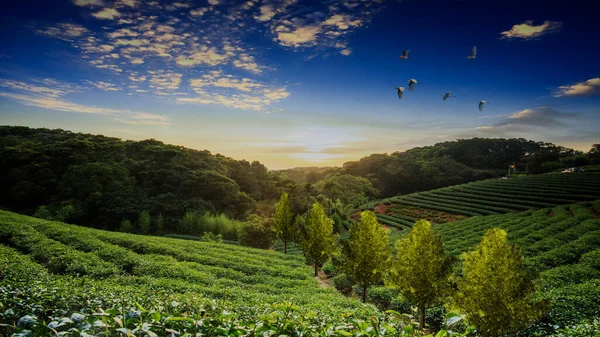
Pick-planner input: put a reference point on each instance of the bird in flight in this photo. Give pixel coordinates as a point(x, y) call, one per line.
point(447, 95)
point(400, 91)
point(404, 55)
point(473, 53)
point(481, 103)
point(411, 84)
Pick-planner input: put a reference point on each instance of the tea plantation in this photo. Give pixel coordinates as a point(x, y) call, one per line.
point(50, 269)
point(489, 197)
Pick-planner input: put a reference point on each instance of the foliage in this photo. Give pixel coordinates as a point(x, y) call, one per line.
point(495, 291)
point(318, 240)
point(126, 226)
point(284, 221)
point(144, 222)
point(420, 269)
point(105, 180)
point(159, 224)
point(366, 254)
point(256, 233)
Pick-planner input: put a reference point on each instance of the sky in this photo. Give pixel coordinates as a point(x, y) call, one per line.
point(303, 83)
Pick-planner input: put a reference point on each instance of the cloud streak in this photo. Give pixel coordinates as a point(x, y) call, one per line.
point(51, 99)
point(590, 87)
point(527, 30)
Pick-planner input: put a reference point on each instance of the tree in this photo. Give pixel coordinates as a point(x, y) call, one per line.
point(126, 226)
point(159, 224)
point(366, 255)
point(495, 292)
point(421, 269)
point(144, 222)
point(284, 221)
point(318, 242)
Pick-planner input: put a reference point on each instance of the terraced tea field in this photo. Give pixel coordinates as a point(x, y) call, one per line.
point(49, 268)
point(561, 243)
point(490, 197)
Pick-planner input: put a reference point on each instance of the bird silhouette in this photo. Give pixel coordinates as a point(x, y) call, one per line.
point(411, 84)
point(473, 53)
point(447, 95)
point(400, 91)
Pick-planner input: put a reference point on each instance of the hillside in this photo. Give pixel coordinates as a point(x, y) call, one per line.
point(62, 267)
point(561, 243)
point(488, 197)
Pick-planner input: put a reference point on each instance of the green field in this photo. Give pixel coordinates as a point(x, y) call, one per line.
point(494, 196)
point(50, 268)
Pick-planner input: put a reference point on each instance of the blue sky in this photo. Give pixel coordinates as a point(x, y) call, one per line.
point(303, 83)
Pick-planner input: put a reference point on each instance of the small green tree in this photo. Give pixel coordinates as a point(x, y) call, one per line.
point(159, 224)
point(144, 222)
point(421, 270)
point(495, 292)
point(126, 226)
point(366, 255)
point(284, 221)
point(318, 242)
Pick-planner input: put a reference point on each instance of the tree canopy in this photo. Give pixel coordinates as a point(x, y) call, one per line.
point(318, 242)
point(495, 291)
point(366, 254)
point(421, 269)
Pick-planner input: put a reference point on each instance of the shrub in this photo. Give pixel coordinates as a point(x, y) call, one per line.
point(255, 233)
point(342, 283)
point(329, 269)
point(382, 296)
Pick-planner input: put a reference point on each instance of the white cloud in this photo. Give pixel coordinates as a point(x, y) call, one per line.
point(107, 14)
point(527, 30)
point(64, 31)
point(103, 85)
point(346, 51)
point(217, 79)
point(198, 12)
point(130, 3)
point(318, 24)
point(206, 55)
point(221, 89)
point(88, 3)
point(306, 35)
point(266, 13)
point(213, 2)
point(165, 81)
point(590, 87)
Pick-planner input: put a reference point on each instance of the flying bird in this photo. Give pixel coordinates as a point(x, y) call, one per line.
point(481, 103)
point(404, 55)
point(447, 95)
point(473, 53)
point(400, 91)
point(411, 84)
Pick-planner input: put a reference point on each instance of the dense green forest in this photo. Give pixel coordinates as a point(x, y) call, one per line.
point(105, 182)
